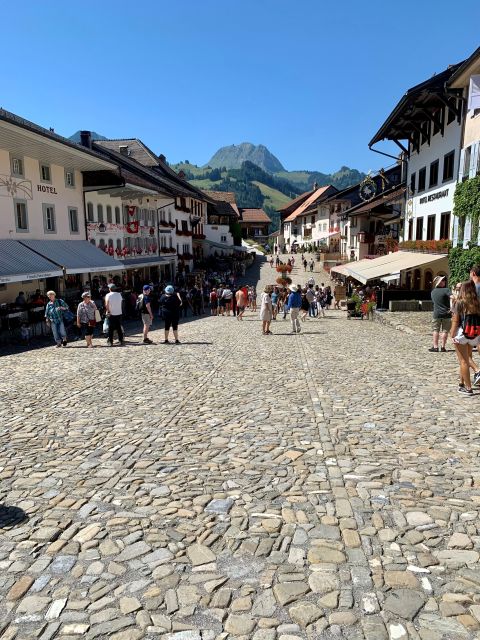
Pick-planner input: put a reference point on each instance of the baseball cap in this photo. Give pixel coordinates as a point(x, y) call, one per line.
point(146, 287)
point(111, 285)
point(169, 289)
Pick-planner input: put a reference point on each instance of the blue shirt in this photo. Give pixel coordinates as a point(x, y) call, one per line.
point(294, 300)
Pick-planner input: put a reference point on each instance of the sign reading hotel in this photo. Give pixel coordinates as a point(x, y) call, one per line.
point(46, 188)
point(434, 196)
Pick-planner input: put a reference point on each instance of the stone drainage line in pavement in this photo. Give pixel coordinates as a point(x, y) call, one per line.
point(367, 602)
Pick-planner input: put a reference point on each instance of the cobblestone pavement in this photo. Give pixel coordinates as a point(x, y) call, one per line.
point(319, 485)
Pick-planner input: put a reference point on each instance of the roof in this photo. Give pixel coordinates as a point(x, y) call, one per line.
point(18, 263)
point(293, 204)
point(410, 110)
point(461, 77)
point(136, 149)
point(224, 202)
point(22, 136)
point(254, 215)
point(75, 256)
point(147, 261)
point(314, 197)
point(382, 199)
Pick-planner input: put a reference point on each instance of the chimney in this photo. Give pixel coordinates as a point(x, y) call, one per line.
point(162, 157)
point(86, 139)
point(123, 148)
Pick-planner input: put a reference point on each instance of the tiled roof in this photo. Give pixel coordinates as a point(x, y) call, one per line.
point(254, 215)
point(296, 202)
point(316, 195)
point(136, 150)
point(225, 202)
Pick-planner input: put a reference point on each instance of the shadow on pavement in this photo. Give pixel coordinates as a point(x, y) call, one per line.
point(11, 516)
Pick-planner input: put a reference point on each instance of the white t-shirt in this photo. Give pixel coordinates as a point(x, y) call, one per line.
point(114, 300)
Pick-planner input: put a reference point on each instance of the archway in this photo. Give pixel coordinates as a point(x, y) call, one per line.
point(417, 276)
point(428, 279)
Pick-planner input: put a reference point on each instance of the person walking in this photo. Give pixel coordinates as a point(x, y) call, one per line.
point(305, 306)
point(305, 264)
point(171, 304)
point(266, 310)
point(213, 302)
point(312, 303)
point(294, 303)
point(86, 317)
point(227, 296)
point(442, 318)
point(312, 264)
point(274, 296)
point(144, 303)
point(113, 308)
point(241, 302)
point(465, 332)
point(54, 311)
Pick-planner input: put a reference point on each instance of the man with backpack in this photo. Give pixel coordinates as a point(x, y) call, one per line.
point(144, 305)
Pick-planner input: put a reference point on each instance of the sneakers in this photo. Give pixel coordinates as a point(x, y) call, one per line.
point(433, 349)
point(476, 378)
point(166, 342)
point(147, 341)
point(443, 350)
point(177, 342)
point(464, 391)
point(64, 343)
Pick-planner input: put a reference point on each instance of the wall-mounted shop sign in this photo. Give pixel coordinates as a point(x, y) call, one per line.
point(434, 196)
point(46, 188)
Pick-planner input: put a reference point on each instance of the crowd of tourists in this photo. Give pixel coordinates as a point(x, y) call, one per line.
point(457, 313)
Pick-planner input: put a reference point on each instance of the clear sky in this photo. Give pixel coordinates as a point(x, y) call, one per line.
point(312, 80)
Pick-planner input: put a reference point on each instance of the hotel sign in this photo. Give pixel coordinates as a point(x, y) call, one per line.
point(30, 276)
point(434, 196)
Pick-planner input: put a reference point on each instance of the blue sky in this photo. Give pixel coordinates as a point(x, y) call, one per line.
point(313, 80)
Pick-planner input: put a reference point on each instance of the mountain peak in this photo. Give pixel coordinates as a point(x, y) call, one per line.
point(233, 156)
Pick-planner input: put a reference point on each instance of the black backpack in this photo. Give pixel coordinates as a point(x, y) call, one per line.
point(471, 326)
point(140, 304)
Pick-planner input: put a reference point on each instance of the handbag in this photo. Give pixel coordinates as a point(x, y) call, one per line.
point(98, 316)
point(105, 325)
point(92, 323)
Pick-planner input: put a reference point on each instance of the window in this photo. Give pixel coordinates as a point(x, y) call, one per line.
point(448, 162)
point(431, 228)
point(223, 238)
point(312, 219)
point(184, 225)
point(445, 226)
point(49, 223)
point(433, 181)
point(451, 113)
point(467, 156)
point(109, 213)
point(125, 214)
point(73, 219)
point(410, 229)
point(45, 173)
point(422, 177)
point(90, 217)
point(419, 229)
point(16, 166)
point(117, 215)
point(99, 213)
point(69, 178)
point(21, 214)
point(413, 180)
point(119, 242)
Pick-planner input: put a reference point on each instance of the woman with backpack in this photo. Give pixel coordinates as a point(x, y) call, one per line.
point(171, 304)
point(465, 332)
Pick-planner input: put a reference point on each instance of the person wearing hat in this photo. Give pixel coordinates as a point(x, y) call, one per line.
point(294, 304)
point(54, 311)
point(170, 304)
point(86, 317)
point(145, 305)
point(442, 317)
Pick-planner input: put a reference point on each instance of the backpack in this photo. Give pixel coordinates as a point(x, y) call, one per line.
point(471, 326)
point(140, 305)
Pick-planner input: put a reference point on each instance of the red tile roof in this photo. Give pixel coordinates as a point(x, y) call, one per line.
point(308, 202)
point(254, 215)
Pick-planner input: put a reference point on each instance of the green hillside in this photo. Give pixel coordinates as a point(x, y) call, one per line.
point(274, 198)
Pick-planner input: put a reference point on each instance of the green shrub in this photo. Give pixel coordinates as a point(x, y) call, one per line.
point(460, 262)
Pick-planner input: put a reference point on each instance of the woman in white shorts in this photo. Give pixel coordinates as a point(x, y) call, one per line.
point(466, 312)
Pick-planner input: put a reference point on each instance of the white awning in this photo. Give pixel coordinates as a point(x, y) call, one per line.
point(391, 277)
point(75, 256)
point(375, 269)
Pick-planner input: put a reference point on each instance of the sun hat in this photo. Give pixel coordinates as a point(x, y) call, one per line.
point(86, 294)
point(293, 288)
point(169, 289)
point(111, 285)
point(437, 280)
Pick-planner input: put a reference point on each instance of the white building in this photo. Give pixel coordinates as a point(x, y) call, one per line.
point(222, 212)
point(429, 119)
point(304, 226)
point(467, 80)
point(42, 209)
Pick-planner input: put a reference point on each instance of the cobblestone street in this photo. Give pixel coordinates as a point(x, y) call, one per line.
point(319, 485)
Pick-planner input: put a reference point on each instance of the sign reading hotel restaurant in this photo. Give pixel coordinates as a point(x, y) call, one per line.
point(29, 276)
point(434, 196)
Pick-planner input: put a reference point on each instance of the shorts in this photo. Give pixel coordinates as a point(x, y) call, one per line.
point(442, 325)
point(147, 319)
point(87, 330)
point(461, 339)
point(171, 322)
point(221, 303)
point(240, 309)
